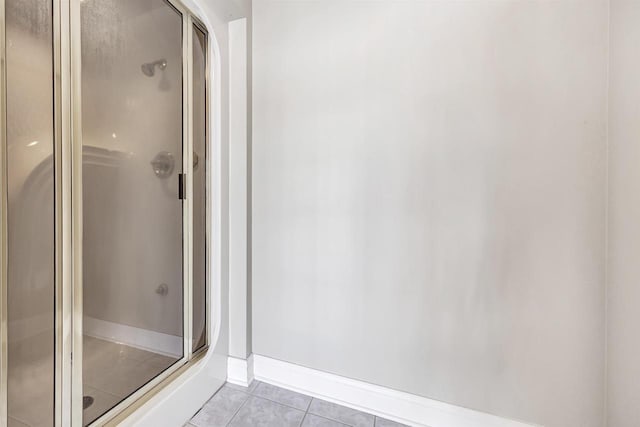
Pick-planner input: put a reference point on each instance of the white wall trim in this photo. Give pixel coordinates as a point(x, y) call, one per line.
point(238, 186)
point(157, 342)
point(240, 371)
point(391, 404)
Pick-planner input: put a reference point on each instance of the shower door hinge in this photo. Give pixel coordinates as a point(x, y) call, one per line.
point(182, 186)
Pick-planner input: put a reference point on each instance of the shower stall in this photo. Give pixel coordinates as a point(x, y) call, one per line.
point(105, 227)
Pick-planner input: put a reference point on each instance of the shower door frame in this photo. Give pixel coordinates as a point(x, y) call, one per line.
point(3, 227)
point(74, 216)
point(67, 83)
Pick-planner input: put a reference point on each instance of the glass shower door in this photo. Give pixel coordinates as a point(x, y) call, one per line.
point(132, 133)
point(104, 168)
point(200, 176)
point(29, 136)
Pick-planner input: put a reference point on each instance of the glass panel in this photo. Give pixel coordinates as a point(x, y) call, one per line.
point(31, 247)
point(199, 188)
point(132, 156)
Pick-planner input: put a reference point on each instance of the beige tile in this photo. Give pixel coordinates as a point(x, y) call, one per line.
point(111, 372)
point(101, 349)
point(160, 361)
point(15, 423)
point(122, 377)
point(102, 403)
point(30, 392)
point(118, 369)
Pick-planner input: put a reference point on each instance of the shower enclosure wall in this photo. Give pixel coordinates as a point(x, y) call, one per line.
point(104, 168)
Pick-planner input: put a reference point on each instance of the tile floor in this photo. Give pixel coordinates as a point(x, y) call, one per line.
point(112, 371)
point(264, 405)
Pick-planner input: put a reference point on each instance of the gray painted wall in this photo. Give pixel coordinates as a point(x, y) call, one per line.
point(429, 198)
point(623, 314)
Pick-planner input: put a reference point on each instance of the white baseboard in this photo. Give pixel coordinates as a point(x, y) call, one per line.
point(144, 339)
point(395, 405)
point(240, 371)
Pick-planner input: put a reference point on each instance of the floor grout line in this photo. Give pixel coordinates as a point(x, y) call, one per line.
point(284, 404)
point(236, 413)
point(278, 403)
point(332, 420)
point(251, 394)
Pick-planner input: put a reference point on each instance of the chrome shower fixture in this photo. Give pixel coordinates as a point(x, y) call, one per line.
point(149, 69)
point(163, 164)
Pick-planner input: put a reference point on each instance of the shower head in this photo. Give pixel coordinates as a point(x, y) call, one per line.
point(149, 69)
